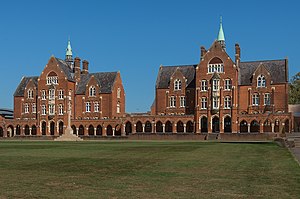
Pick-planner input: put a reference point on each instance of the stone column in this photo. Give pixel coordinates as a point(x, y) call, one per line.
point(104, 132)
point(114, 132)
point(134, 129)
point(143, 128)
point(153, 127)
point(86, 132)
point(261, 129)
point(77, 131)
point(273, 125)
point(30, 131)
point(95, 131)
point(163, 128)
point(123, 133)
point(15, 131)
point(248, 128)
point(175, 130)
point(184, 128)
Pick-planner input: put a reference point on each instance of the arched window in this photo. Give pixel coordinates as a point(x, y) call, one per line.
point(215, 65)
point(92, 91)
point(52, 78)
point(119, 93)
point(177, 84)
point(118, 108)
point(261, 81)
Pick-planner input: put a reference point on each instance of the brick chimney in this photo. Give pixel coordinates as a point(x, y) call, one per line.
point(77, 70)
point(85, 67)
point(203, 52)
point(237, 54)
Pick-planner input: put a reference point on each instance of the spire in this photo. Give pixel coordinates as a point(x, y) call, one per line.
point(221, 37)
point(69, 55)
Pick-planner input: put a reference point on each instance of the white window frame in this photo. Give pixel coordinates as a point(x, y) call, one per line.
point(172, 103)
point(204, 103)
point(60, 94)
point(33, 107)
point(182, 101)
point(51, 109)
point(60, 109)
point(267, 99)
point(203, 85)
point(261, 81)
point(227, 102)
point(96, 107)
point(219, 68)
point(177, 85)
point(119, 93)
point(51, 94)
point(43, 95)
point(43, 109)
point(52, 80)
point(30, 94)
point(255, 99)
point(216, 83)
point(26, 108)
point(92, 91)
point(88, 107)
point(216, 103)
point(118, 108)
point(227, 84)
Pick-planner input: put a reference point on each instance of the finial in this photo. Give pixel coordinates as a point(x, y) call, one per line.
point(221, 19)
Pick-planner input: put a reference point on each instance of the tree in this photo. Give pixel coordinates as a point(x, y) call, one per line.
point(294, 89)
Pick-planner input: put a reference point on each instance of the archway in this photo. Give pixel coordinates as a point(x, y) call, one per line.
point(227, 124)
point(204, 126)
point(139, 127)
point(243, 126)
point(276, 126)
point(1, 132)
point(159, 127)
point(44, 128)
point(33, 130)
point(254, 127)
point(52, 128)
point(61, 128)
point(179, 127)
point(190, 127)
point(99, 130)
point(148, 127)
point(74, 129)
point(81, 130)
point(26, 130)
point(267, 126)
point(287, 126)
point(169, 127)
point(109, 130)
point(216, 125)
point(128, 128)
point(91, 130)
point(18, 130)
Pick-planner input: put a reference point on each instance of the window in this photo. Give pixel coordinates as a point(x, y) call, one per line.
point(219, 68)
point(96, 107)
point(51, 109)
point(51, 94)
point(204, 85)
point(172, 102)
point(26, 108)
point(216, 84)
point(60, 109)
point(92, 91)
point(215, 102)
point(261, 81)
point(203, 103)
point(60, 94)
point(119, 93)
point(52, 80)
point(43, 95)
point(182, 101)
point(177, 85)
point(227, 102)
point(267, 99)
point(255, 99)
point(227, 84)
point(30, 94)
point(118, 107)
point(88, 107)
point(43, 109)
point(33, 108)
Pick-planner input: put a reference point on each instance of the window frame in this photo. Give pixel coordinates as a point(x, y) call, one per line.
point(204, 103)
point(267, 98)
point(177, 85)
point(88, 107)
point(204, 85)
point(255, 99)
point(227, 102)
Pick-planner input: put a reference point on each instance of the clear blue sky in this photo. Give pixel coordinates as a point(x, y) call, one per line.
point(136, 37)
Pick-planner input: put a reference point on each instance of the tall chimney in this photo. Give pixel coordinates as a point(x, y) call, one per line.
point(85, 67)
point(237, 54)
point(203, 52)
point(77, 70)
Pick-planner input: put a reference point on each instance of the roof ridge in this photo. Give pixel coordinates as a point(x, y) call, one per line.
point(179, 65)
point(263, 60)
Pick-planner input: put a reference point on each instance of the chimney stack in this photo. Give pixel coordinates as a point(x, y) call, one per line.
point(237, 54)
point(85, 67)
point(77, 70)
point(203, 52)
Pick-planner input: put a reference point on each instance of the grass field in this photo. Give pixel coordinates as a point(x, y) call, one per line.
point(147, 170)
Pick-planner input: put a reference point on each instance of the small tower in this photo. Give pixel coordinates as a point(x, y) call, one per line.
point(221, 37)
point(69, 55)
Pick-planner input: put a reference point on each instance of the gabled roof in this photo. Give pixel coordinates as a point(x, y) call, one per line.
point(21, 88)
point(165, 73)
point(66, 68)
point(105, 80)
point(277, 69)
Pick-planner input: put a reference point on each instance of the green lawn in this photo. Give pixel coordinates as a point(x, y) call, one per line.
point(120, 169)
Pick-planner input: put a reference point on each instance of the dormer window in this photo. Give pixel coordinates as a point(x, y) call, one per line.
point(92, 91)
point(30, 94)
point(177, 84)
point(215, 65)
point(52, 78)
point(261, 81)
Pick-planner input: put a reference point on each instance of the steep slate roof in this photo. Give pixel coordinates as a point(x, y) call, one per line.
point(21, 88)
point(7, 113)
point(66, 69)
point(165, 73)
point(277, 69)
point(105, 80)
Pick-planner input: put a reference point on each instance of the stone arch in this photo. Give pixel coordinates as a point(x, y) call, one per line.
point(267, 126)
point(287, 126)
point(243, 126)
point(99, 130)
point(190, 127)
point(215, 124)
point(227, 124)
point(179, 127)
point(60, 127)
point(1, 132)
point(254, 126)
point(139, 127)
point(159, 127)
point(91, 130)
point(74, 129)
point(52, 128)
point(44, 127)
point(26, 130)
point(169, 127)
point(109, 130)
point(18, 129)
point(276, 125)
point(33, 130)
point(204, 124)
point(81, 130)
point(148, 127)
point(128, 128)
